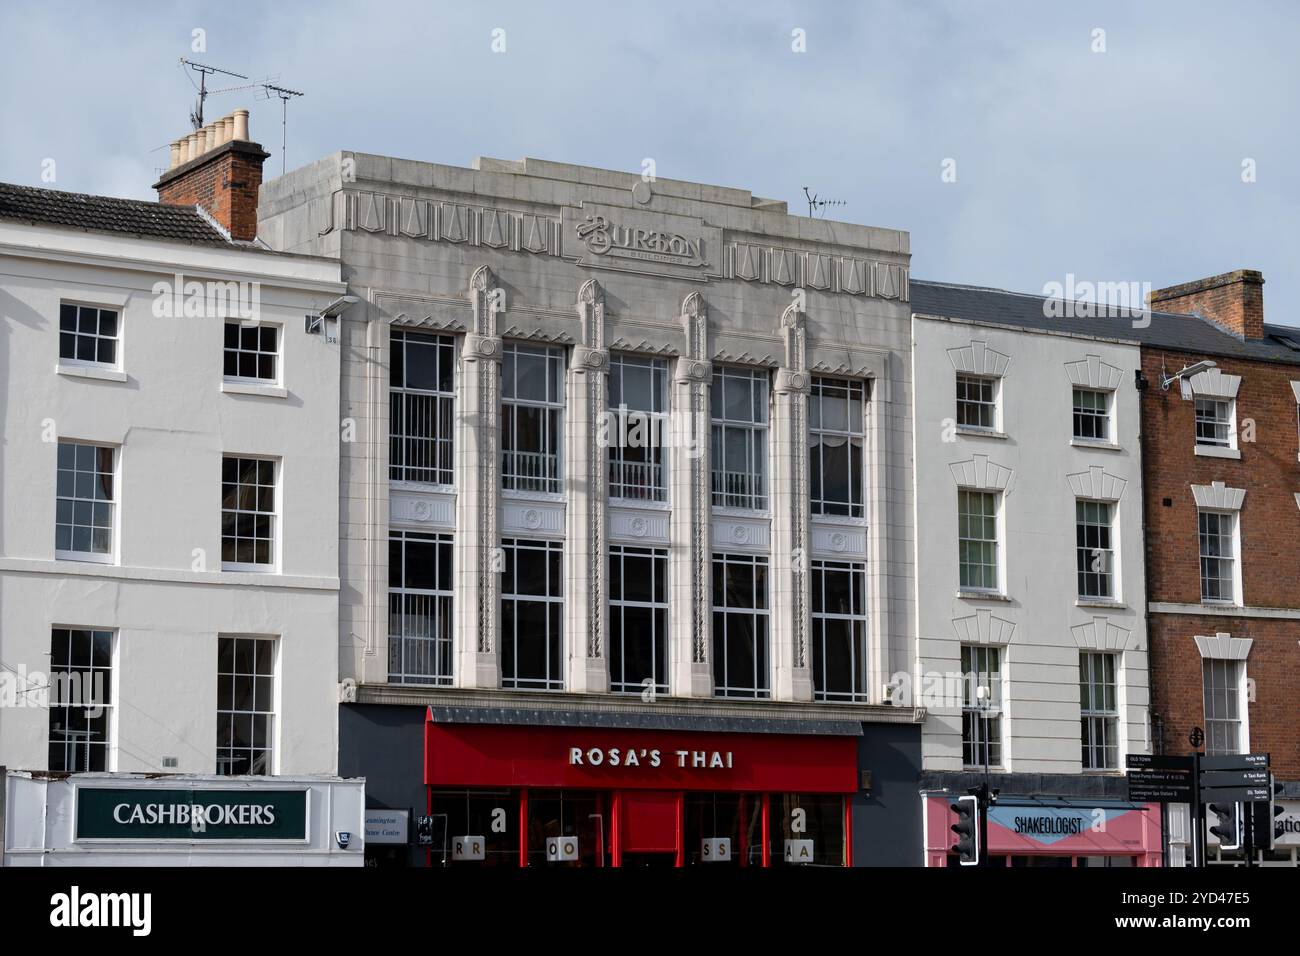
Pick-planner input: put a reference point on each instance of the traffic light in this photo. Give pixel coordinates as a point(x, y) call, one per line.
point(1273, 827)
point(1228, 828)
point(967, 829)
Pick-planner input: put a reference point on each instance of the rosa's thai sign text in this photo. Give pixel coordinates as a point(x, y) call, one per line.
point(649, 757)
point(631, 758)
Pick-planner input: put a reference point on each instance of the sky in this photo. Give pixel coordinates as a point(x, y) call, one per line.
point(1018, 143)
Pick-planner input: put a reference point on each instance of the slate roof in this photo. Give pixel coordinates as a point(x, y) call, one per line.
point(132, 217)
point(1185, 333)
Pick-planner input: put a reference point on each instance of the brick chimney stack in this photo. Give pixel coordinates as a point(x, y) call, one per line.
point(1234, 300)
point(219, 169)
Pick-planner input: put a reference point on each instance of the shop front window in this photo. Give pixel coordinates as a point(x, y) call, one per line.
point(806, 829)
point(568, 828)
point(711, 818)
point(474, 827)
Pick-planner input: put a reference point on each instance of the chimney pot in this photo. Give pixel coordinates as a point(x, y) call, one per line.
point(219, 175)
point(175, 154)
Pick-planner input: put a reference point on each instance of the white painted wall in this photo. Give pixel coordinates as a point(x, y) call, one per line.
point(172, 422)
point(1047, 623)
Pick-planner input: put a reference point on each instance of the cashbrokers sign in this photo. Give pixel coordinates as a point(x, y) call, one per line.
point(170, 814)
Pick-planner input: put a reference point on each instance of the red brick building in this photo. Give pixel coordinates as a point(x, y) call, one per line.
point(1221, 457)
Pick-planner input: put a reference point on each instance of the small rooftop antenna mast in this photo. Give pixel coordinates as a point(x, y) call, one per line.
point(196, 114)
point(285, 94)
point(815, 203)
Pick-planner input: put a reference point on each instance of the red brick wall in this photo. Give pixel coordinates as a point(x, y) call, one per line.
point(225, 182)
point(1268, 470)
point(1235, 300)
point(1273, 664)
point(1270, 542)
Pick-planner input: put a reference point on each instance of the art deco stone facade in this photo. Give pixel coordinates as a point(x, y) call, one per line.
point(602, 264)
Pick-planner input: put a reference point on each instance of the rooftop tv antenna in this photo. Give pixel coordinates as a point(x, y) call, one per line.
point(285, 94)
point(204, 71)
point(816, 203)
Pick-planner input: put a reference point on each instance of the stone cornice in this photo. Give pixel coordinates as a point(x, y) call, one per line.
point(494, 701)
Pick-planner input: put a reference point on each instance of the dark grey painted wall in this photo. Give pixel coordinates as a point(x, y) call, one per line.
point(887, 824)
point(385, 744)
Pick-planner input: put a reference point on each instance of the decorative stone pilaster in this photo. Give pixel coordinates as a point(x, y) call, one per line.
point(586, 485)
point(366, 608)
point(478, 465)
point(788, 575)
point(689, 554)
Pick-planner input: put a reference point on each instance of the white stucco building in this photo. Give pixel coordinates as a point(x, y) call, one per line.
point(1029, 547)
point(169, 517)
point(1031, 626)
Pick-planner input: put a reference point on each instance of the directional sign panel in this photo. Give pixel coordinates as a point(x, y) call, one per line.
point(1158, 762)
point(1235, 795)
point(1160, 786)
point(1235, 762)
point(1234, 778)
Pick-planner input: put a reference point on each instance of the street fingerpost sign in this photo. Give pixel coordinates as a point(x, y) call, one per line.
point(1197, 780)
point(1235, 778)
point(1157, 778)
point(1160, 786)
point(1214, 779)
point(1157, 762)
point(1235, 762)
point(1224, 780)
point(1235, 795)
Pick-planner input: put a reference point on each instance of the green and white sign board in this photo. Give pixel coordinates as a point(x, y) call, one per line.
point(189, 814)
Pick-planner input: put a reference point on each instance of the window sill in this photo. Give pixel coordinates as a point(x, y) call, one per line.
point(521, 495)
point(641, 503)
point(1217, 451)
point(721, 511)
point(972, 432)
point(842, 521)
point(982, 596)
point(91, 371)
point(427, 487)
point(250, 568)
point(1100, 602)
point(1094, 443)
point(84, 557)
point(252, 388)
